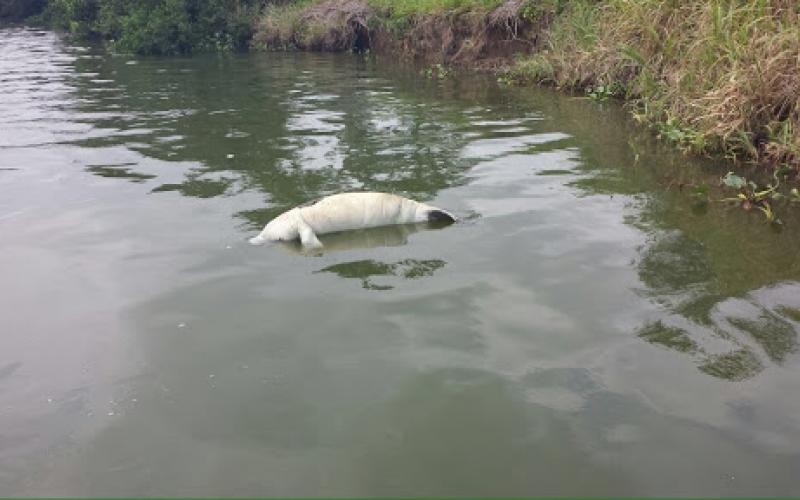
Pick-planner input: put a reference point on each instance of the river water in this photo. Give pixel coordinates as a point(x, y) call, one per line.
point(585, 329)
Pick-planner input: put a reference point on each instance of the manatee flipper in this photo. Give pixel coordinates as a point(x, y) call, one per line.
point(307, 236)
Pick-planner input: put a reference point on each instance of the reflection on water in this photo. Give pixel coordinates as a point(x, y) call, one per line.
point(732, 338)
point(365, 269)
point(583, 331)
point(293, 139)
point(386, 236)
point(118, 171)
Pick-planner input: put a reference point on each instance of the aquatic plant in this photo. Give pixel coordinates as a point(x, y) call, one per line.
point(604, 92)
point(436, 71)
point(764, 198)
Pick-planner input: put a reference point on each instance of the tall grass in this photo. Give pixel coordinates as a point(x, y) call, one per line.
point(280, 25)
point(407, 8)
point(718, 75)
point(286, 25)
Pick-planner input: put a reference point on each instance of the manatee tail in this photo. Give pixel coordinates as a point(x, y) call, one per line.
point(440, 216)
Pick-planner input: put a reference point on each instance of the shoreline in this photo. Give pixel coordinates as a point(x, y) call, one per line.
point(716, 79)
point(582, 48)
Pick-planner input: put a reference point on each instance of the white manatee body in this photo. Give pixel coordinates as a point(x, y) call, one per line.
point(346, 212)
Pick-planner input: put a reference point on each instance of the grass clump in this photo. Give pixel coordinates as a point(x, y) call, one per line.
point(476, 33)
point(332, 25)
point(410, 8)
point(713, 76)
point(278, 25)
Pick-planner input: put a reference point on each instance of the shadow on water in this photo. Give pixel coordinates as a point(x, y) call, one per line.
point(385, 236)
point(364, 270)
point(118, 172)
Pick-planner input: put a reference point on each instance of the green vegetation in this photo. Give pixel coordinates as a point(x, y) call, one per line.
point(750, 195)
point(406, 8)
point(157, 26)
point(314, 25)
point(712, 76)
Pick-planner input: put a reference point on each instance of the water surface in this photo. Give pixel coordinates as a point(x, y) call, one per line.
point(584, 330)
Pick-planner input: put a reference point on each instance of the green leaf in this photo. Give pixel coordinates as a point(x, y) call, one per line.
point(734, 181)
point(782, 171)
point(634, 55)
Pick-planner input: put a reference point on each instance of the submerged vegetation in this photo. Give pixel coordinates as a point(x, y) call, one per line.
point(714, 77)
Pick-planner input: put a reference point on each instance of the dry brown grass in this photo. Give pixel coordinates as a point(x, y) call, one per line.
point(332, 25)
point(455, 32)
point(720, 75)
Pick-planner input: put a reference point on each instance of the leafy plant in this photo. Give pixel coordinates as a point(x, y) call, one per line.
point(437, 71)
point(158, 26)
point(600, 92)
point(750, 195)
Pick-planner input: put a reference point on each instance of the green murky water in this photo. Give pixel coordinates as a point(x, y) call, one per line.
point(585, 330)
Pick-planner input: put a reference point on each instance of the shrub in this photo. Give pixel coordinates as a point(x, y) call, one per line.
point(158, 26)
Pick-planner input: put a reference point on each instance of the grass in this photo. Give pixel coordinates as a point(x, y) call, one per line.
point(288, 25)
point(409, 8)
point(713, 76)
point(279, 25)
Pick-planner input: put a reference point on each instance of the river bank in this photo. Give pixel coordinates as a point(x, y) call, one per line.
point(715, 78)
